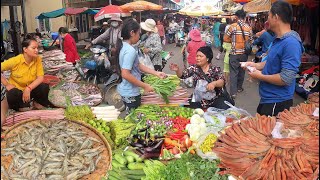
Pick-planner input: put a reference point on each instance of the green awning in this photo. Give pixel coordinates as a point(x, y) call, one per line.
point(52, 14)
point(91, 11)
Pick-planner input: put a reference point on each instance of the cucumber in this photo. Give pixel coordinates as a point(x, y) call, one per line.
point(116, 164)
point(135, 177)
point(139, 160)
point(113, 178)
point(122, 160)
point(114, 174)
point(135, 166)
point(130, 159)
point(133, 172)
point(130, 153)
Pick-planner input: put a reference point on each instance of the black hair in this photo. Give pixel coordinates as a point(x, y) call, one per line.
point(63, 30)
point(229, 21)
point(283, 10)
point(241, 14)
point(27, 40)
point(128, 26)
point(207, 51)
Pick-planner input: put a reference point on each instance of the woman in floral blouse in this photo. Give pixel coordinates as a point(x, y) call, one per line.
point(214, 73)
point(152, 45)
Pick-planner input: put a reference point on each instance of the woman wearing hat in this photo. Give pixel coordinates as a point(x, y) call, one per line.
point(193, 46)
point(152, 45)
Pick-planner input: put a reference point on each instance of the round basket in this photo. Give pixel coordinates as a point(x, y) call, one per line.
point(51, 80)
point(77, 82)
point(103, 166)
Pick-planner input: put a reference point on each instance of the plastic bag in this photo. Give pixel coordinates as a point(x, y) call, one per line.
point(215, 120)
point(145, 60)
point(209, 155)
point(236, 113)
point(188, 82)
point(200, 91)
point(164, 41)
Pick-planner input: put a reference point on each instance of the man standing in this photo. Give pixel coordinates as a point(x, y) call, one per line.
point(234, 35)
point(277, 78)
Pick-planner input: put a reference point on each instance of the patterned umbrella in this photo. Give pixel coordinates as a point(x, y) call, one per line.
point(201, 9)
point(140, 6)
point(110, 10)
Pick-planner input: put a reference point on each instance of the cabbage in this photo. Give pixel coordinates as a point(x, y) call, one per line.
point(202, 120)
point(194, 136)
point(195, 119)
point(198, 111)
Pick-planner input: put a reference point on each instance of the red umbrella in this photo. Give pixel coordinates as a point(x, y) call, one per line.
point(108, 11)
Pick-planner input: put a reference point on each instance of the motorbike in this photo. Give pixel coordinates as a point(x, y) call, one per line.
point(181, 38)
point(171, 35)
point(100, 72)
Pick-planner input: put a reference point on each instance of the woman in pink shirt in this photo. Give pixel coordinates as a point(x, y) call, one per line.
point(193, 46)
point(160, 30)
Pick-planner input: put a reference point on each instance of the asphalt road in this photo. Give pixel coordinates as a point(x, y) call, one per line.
point(247, 100)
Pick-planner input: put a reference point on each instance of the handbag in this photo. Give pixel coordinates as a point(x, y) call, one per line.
point(224, 93)
point(247, 44)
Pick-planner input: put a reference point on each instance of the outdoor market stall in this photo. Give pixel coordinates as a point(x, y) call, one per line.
point(168, 141)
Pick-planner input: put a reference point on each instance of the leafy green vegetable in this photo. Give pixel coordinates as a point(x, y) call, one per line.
point(191, 167)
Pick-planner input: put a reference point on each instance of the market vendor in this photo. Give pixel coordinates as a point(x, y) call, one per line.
point(198, 71)
point(25, 82)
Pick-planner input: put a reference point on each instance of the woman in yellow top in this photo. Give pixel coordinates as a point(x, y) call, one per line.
point(25, 82)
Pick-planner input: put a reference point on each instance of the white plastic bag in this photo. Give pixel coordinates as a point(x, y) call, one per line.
point(164, 41)
point(145, 60)
point(208, 155)
point(200, 91)
point(235, 112)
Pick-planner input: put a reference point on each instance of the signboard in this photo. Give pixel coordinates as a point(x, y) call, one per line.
point(11, 2)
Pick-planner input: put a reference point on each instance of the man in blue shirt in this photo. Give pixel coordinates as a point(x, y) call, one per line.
point(277, 73)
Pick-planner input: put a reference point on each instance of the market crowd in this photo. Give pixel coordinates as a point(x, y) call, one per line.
point(275, 64)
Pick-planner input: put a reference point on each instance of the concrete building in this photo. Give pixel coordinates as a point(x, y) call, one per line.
point(32, 9)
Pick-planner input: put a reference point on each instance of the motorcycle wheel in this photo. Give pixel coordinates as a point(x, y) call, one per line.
point(112, 97)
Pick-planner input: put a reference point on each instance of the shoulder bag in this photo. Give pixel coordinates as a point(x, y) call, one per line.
point(247, 44)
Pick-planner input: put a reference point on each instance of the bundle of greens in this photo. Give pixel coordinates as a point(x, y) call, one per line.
point(120, 131)
point(191, 167)
point(79, 113)
point(163, 87)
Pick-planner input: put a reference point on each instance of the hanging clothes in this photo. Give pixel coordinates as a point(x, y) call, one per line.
point(5, 30)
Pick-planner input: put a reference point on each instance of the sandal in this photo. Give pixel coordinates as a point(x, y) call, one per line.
point(240, 90)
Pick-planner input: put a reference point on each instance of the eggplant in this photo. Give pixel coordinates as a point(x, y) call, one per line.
point(159, 137)
point(155, 148)
point(136, 145)
point(140, 150)
point(148, 155)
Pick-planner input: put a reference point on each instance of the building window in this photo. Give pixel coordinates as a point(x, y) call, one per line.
point(44, 25)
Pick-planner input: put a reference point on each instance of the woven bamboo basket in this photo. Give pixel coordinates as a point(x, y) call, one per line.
point(78, 82)
point(103, 166)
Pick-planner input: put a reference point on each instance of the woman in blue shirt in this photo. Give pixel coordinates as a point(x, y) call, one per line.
point(130, 68)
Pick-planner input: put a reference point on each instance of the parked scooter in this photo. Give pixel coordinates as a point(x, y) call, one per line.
point(100, 72)
point(181, 38)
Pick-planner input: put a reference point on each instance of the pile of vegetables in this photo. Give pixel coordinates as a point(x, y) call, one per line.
point(149, 147)
point(191, 167)
point(163, 87)
point(208, 143)
point(197, 125)
point(126, 165)
point(173, 112)
point(152, 169)
point(120, 131)
point(106, 113)
point(84, 113)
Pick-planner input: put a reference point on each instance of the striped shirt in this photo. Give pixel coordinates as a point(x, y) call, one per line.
point(234, 35)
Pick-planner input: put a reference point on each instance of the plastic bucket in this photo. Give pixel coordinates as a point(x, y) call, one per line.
point(54, 35)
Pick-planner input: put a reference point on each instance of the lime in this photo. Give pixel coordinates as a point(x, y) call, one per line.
point(91, 122)
point(106, 129)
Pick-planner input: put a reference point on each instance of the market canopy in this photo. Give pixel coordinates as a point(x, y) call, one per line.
point(110, 10)
point(201, 9)
point(257, 6)
point(141, 6)
point(52, 14)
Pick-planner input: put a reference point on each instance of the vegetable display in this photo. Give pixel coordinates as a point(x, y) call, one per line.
point(249, 151)
point(191, 167)
point(163, 87)
point(127, 165)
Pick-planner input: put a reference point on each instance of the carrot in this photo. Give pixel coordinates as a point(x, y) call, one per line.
point(169, 142)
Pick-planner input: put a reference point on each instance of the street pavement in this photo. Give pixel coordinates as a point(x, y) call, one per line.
point(247, 100)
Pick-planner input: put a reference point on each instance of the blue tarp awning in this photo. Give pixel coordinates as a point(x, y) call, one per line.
point(52, 14)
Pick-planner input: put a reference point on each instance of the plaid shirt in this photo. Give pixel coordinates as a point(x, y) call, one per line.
point(234, 35)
